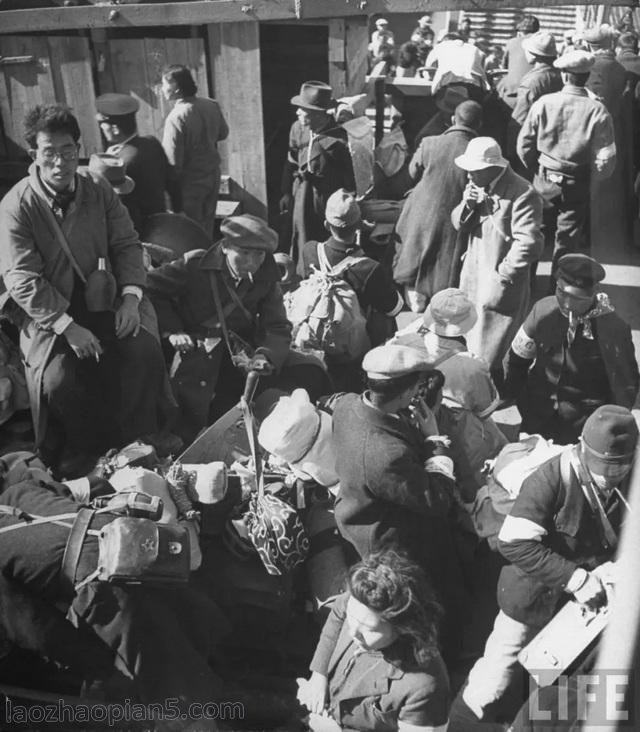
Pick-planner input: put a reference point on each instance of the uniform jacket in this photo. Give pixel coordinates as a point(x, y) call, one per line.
point(428, 247)
point(547, 326)
point(569, 132)
point(149, 168)
point(533, 85)
point(182, 294)
point(386, 691)
point(607, 80)
point(553, 534)
point(37, 273)
point(504, 239)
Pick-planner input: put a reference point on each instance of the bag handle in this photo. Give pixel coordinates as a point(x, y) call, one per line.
point(250, 427)
point(220, 311)
point(73, 548)
point(60, 237)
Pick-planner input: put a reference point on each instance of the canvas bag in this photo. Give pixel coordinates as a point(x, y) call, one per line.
point(325, 312)
point(506, 474)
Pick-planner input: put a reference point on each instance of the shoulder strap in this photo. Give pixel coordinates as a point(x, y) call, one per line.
point(73, 549)
point(222, 321)
point(60, 237)
point(323, 260)
point(565, 468)
point(345, 265)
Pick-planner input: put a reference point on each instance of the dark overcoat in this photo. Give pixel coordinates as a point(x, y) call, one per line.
point(37, 273)
point(428, 247)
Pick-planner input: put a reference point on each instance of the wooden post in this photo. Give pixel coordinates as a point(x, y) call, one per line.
point(234, 54)
point(356, 50)
point(379, 89)
point(337, 64)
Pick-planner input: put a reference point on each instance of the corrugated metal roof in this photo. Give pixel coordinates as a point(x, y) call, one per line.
point(498, 26)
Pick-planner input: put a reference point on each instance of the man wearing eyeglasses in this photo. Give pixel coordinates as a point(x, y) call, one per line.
point(93, 364)
point(572, 355)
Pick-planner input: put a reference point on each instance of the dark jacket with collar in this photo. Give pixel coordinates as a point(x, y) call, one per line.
point(183, 296)
point(387, 497)
point(386, 692)
point(547, 326)
point(530, 588)
point(429, 249)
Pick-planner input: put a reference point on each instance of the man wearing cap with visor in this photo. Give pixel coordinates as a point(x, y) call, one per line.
point(143, 156)
point(221, 313)
point(567, 141)
point(544, 78)
point(559, 537)
point(395, 483)
point(500, 214)
point(376, 293)
point(318, 163)
point(572, 354)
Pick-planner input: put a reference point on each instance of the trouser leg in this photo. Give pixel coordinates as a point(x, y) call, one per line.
point(493, 675)
point(571, 220)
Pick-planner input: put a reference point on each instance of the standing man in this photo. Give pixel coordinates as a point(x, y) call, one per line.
point(567, 140)
point(544, 78)
point(93, 362)
point(318, 163)
point(192, 131)
point(500, 214)
point(428, 247)
point(562, 527)
point(423, 36)
point(144, 158)
point(572, 354)
point(515, 61)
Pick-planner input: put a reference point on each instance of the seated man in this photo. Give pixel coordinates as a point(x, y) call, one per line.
point(221, 308)
point(114, 634)
point(88, 337)
point(563, 525)
point(572, 354)
point(376, 293)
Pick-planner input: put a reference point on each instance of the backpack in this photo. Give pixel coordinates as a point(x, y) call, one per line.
point(505, 476)
point(325, 312)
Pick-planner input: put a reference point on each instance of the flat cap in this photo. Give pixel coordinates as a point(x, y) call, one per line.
point(611, 433)
point(390, 361)
point(579, 270)
point(115, 105)
point(249, 232)
point(342, 209)
point(579, 62)
point(600, 36)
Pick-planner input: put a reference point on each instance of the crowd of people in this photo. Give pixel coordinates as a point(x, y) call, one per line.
point(125, 341)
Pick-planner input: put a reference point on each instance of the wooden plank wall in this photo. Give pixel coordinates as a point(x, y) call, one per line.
point(356, 45)
point(234, 57)
point(134, 66)
point(337, 57)
point(60, 72)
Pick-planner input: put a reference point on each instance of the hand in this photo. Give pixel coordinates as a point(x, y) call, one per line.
point(261, 364)
point(322, 723)
point(592, 593)
point(182, 342)
point(472, 195)
point(82, 341)
point(285, 203)
point(423, 418)
point(128, 317)
point(312, 692)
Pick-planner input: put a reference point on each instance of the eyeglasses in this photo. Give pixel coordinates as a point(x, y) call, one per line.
point(67, 154)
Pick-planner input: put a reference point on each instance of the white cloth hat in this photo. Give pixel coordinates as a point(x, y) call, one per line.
point(481, 153)
point(450, 313)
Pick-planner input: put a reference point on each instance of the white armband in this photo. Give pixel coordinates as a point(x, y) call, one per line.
point(523, 345)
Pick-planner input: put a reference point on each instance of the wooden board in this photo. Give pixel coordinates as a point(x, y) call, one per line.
point(227, 11)
point(59, 72)
point(356, 42)
point(135, 67)
point(234, 53)
point(337, 57)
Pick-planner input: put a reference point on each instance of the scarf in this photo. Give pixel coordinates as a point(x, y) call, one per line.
point(602, 307)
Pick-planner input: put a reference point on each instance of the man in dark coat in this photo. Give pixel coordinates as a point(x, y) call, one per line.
point(572, 354)
point(563, 525)
point(318, 163)
point(428, 248)
point(515, 61)
point(247, 327)
point(145, 160)
point(93, 377)
point(395, 489)
point(540, 49)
